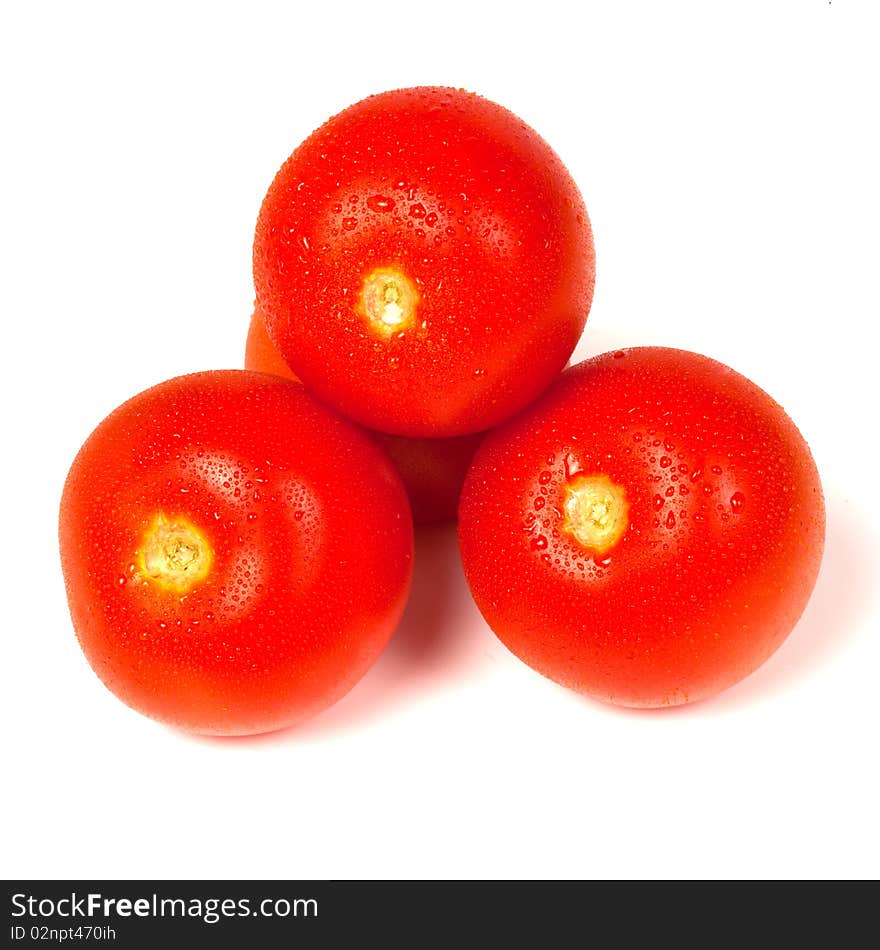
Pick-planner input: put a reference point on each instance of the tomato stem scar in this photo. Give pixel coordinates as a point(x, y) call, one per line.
point(388, 301)
point(174, 555)
point(596, 512)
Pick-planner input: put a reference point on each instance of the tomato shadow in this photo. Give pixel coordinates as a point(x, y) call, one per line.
point(437, 642)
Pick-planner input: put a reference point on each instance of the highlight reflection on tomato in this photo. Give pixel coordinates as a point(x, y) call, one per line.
point(236, 556)
point(648, 532)
point(425, 262)
point(433, 470)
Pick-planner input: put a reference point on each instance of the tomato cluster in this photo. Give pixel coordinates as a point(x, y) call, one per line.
point(645, 528)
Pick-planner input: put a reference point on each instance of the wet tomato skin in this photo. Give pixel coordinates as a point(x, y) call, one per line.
point(452, 220)
point(295, 523)
point(433, 470)
point(720, 515)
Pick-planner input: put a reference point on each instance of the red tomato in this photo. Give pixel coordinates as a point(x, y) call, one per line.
point(235, 555)
point(648, 532)
point(432, 470)
point(425, 262)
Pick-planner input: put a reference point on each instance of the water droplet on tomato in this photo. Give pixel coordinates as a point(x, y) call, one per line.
point(349, 223)
point(539, 503)
point(539, 542)
point(544, 478)
point(670, 520)
point(737, 500)
point(380, 203)
point(572, 466)
point(659, 502)
point(665, 461)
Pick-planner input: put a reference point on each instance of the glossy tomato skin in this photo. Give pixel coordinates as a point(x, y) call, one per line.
point(305, 535)
point(486, 226)
point(433, 470)
point(722, 540)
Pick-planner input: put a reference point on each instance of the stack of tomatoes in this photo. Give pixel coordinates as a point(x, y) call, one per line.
point(645, 527)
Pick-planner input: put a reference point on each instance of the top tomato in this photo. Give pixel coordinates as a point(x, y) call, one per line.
point(425, 262)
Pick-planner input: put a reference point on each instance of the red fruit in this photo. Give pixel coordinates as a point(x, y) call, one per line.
point(235, 555)
point(648, 532)
point(425, 262)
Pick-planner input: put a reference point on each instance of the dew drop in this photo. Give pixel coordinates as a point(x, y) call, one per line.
point(349, 223)
point(417, 210)
point(737, 500)
point(670, 520)
point(544, 478)
point(539, 542)
point(539, 503)
point(572, 466)
point(659, 502)
point(665, 461)
point(380, 203)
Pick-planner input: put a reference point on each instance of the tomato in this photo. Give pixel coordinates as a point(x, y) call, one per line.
point(235, 555)
point(432, 470)
point(647, 533)
point(425, 262)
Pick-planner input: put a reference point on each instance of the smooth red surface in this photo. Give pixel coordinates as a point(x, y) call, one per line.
point(433, 470)
point(483, 218)
point(725, 536)
point(312, 542)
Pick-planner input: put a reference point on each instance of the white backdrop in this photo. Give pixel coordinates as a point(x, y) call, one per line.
point(728, 157)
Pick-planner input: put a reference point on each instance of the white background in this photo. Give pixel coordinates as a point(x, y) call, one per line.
point(728, 157)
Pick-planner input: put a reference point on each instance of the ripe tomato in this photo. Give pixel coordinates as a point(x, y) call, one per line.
point(425, 262)
point(235, 555)
point(432, 470)
point(648, 532)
